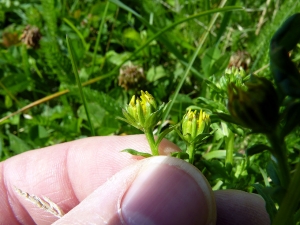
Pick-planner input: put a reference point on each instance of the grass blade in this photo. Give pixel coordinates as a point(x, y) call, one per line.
point(99, 35)
point(86, 46)
point(188, 69)
point(75, 69)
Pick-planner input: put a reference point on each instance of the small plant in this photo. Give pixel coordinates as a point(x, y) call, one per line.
point(254, 104)
point(143, 113)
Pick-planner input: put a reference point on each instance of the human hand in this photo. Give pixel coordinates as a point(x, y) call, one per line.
point(97, 184)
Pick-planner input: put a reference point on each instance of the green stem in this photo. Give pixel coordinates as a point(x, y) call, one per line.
point(280, 154)
point(25, 62)
point(80, 35)
point(290, 201)
point(191, 152)
point(229, 141)
point(151, 141)
point(75, 70)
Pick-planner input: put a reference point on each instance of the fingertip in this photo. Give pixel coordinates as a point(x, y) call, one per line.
point(236, 207)
point(168, 191)
point(156, 190)
point(166, 147)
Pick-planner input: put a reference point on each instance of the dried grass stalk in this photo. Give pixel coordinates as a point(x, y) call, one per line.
point(44, 203)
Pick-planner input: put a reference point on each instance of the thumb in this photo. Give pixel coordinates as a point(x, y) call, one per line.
point(157, 190)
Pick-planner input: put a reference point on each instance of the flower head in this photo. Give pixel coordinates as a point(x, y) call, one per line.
point(143, 112)
point(256, 106)
point(194, 124)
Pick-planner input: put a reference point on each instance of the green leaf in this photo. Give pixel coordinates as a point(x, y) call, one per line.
point(212, 104)
point(109, 126)
point(223, 116)
point(179, 133)
point(297, 217)
point(17, 144)
point(180, 155)
point(86, 46)
point(137, 153)
point(218, 133)
point(202, 137)
point(155, 73)
point(270, 205)
point(8, 102)
point(132, 34)
point(213, 86)
point(273, 173)
point(78, 81)
point(210, 56)
point(39, 132)
point(217, 154)
point(258, 148)
point(291, 118)
point(97, 113)
point(216, 168)
point(164, 133)
point(15, 83)
point(111, 105)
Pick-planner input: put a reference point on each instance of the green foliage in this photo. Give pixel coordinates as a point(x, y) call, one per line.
point(182, 52)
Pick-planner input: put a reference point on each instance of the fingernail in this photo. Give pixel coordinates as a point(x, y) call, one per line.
point(165, 194)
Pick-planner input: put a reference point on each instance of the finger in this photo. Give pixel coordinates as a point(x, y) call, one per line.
point(65, 173)
point(157, 190)
point(238, 207)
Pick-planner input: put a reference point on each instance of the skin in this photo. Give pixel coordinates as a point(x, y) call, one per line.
point(95, 183)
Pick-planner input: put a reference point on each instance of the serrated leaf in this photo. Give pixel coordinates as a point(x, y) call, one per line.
point(108, 103)
point(137, 153)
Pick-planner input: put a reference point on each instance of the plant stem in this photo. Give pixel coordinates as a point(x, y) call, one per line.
point(290, 201)
point(191, 152)
point(26, 65)
point(280, 154)
point(229, 141)
point(151, 141)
